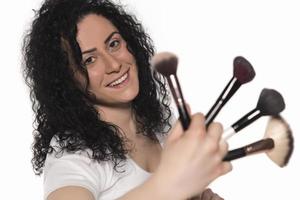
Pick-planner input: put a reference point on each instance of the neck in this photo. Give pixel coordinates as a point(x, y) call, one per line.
point(123, 117)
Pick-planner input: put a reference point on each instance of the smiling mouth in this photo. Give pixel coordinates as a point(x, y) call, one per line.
point(119, 81)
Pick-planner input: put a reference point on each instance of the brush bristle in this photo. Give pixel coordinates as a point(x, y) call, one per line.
point(270, 102)
point(243, 70)
point(280, 132)
point(165, 63)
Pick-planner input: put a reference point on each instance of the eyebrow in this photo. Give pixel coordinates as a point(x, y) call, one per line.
point(89, 51)
point(106, 41)
point(110, 36)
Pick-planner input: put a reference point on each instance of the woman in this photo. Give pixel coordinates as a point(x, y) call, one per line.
point(102, 114)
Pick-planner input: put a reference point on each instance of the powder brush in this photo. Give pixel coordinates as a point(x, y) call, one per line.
point(166, 64)
point(270, 103)
point(278, 143)
point(243, 72)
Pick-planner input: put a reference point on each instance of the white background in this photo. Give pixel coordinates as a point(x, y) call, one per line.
point(206, 36)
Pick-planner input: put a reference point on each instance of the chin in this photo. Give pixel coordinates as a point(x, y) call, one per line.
point(120, 100)
point(129, 96)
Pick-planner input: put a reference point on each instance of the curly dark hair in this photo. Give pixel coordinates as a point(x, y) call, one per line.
point(65, 110)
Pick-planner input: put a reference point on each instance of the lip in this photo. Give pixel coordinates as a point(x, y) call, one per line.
point(107, 85)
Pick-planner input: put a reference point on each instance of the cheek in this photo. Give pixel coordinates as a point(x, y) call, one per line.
point(95, 77)
point(126, 56)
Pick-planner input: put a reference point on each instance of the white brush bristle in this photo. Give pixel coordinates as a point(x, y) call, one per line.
point(280, 132)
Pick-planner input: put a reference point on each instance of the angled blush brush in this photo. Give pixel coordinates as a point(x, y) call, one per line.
point(278, 143)
point(166, 64)
point(270, 102)
point(243, 72)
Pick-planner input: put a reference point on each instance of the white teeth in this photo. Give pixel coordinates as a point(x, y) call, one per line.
point(120, 80)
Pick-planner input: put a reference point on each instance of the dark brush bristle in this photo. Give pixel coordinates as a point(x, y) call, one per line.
point(165, 63)
point(270, 102)
point(243, 70)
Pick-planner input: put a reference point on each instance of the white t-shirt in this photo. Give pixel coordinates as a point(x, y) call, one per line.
point(100, 178)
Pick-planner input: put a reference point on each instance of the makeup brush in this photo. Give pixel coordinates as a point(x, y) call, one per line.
point(166, 64)
point(270, 103)
point(243, 72)
point(278, 143)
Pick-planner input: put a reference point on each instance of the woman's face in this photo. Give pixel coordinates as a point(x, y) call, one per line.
point(111, 68)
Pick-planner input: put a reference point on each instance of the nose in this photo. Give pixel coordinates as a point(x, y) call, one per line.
point(112, 64)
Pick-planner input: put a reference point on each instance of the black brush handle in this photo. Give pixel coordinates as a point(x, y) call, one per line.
point(246, 120)
point(179, 100)
point(232, 86)
point(184, 116)
point(183, 112)
point(235, 154)
point(259, 146)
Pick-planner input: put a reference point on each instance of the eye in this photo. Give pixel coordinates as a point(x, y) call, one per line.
point(89, 60)
point(114, 45)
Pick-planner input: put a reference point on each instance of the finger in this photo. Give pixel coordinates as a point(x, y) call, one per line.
point(175, 133)
point(222, 169)
point(207, 194)
point(225, 167)
point(223, 149)
point(197, 125)
point(215, 131)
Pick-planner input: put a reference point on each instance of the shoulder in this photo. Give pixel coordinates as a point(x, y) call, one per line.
point(72, 169)
point(63, 171)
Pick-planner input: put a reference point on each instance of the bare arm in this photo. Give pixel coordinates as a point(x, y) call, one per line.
point(146, 191)
point(141, 192)
point(71, 193)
